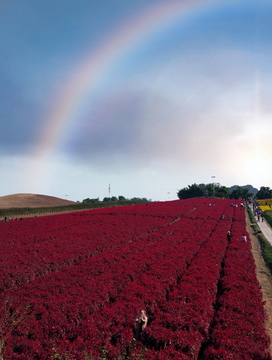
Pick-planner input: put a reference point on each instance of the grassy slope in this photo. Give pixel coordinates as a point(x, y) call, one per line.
point(27, 211)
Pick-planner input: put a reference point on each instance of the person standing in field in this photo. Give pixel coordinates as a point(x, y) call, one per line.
point(140, 323)
point(244, 238)
point(229, 236)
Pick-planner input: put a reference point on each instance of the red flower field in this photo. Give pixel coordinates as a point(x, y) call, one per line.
point(72, 285)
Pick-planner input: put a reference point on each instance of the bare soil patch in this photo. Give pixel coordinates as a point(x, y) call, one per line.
point(31, 201)
point(264, 278)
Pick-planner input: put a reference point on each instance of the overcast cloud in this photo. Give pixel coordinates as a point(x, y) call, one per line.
point(173, 102)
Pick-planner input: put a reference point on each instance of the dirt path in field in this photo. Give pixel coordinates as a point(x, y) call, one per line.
point(263, 276)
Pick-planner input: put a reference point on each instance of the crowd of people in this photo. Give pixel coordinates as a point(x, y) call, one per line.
point(257, 212)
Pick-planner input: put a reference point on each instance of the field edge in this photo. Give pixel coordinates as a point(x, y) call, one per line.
point(264, 277)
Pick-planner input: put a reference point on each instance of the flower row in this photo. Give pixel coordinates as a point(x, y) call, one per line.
point(36, 247)
point(92, 306)
point(239, 323)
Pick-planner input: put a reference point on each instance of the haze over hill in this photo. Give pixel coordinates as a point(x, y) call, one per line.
point(31, 201)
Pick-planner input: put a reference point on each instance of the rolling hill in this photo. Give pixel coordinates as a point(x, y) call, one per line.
point(31, 201)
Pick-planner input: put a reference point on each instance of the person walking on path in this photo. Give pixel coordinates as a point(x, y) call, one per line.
point(265, 229)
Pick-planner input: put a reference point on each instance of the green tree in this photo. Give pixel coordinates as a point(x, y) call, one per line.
point(264, 193)
point(209, 190)
point(206, 190)
point(191, 191)
point(240, 193)
point(121, 198)
point(88, 200)
point(223, 192)
point(136, 199)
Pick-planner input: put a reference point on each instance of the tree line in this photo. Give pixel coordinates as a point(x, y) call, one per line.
point(113, 199)
point(199, 190)
point(216, 190)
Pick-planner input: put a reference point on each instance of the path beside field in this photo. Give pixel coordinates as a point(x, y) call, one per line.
point(263, 273)
point(265, 229)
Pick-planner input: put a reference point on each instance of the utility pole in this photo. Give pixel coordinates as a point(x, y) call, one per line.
point(213, 177)
point(109, 190)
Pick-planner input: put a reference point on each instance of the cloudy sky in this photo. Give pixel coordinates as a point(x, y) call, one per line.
point(148, 96)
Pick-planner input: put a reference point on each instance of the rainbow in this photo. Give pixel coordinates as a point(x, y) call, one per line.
point(86, 75)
